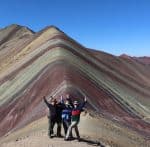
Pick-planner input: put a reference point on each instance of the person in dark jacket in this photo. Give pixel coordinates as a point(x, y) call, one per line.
point(55, 111)
point(75, 118)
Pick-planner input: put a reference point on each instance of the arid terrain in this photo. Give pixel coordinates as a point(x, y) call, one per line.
point(49, 62)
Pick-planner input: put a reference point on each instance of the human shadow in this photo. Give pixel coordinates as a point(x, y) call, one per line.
point(86, 140)
point(92, 142)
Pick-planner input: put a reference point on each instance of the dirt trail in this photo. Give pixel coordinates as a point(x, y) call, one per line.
point(40, 139)
point(94, 132)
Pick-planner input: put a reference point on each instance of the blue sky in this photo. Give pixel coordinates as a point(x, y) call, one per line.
point(114, 26)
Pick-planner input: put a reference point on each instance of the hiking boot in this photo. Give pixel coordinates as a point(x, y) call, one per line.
point(71, 136)
point(50, 136)
point(67, 139)
point(60, 136)
point(79, 139)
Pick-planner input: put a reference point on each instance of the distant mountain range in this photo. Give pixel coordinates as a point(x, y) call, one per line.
point(144, 60)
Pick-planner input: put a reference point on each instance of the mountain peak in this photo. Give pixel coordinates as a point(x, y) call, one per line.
point(16, 26)
point(125, 56)
point(53, 28)
point(13, 33)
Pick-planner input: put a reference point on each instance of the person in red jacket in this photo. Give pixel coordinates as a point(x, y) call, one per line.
point(75, 119)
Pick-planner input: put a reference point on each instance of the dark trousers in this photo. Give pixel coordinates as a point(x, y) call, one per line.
point(66, 125)
point(52, 122)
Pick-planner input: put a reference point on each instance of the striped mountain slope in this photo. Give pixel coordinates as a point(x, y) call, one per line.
point(51, 63)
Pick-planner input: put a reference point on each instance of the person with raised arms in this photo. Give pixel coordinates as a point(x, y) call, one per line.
point(55, 112)
point(75, 119)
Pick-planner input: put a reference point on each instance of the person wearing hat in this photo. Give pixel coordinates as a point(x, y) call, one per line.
point(69, 98)
point(55, 110)
point(75, 118)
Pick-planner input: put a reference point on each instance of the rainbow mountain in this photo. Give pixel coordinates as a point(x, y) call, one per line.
point(49, 62)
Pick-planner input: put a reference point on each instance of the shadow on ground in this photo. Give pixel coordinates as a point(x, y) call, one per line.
point(91, 142)
point(85, 140)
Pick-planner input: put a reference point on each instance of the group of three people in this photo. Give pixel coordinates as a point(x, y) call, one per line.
point(64, 112)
